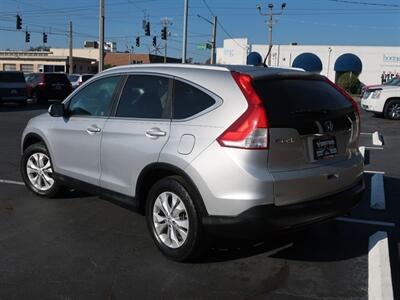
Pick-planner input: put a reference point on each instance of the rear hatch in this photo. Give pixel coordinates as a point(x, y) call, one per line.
point(12, 85)
point(313, 139)
point(58, 85)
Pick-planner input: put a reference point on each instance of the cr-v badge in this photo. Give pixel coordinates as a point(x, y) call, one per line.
point(285, 141)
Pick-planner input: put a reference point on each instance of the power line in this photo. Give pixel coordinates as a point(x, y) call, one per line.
point(222, 27)
point(365, 3)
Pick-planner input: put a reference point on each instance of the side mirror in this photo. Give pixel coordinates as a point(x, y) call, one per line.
point(57, 110)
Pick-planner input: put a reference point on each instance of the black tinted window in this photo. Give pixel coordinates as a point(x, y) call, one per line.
point(12, 77)
point(86, 77)
point(95, 99)
point(56, 78)
point(189, 100)
point(144, 97)
point(287, 98)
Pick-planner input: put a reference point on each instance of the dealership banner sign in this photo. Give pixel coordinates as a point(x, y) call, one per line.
point(392, 59)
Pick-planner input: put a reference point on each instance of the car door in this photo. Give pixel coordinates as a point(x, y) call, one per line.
point(135, 135)
point(75, 139)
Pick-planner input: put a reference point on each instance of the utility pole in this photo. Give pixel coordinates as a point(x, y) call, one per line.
point(101, 36)
point(165, 23)
point(71, 59)
point(213, 37)
point(185, 24)
point(213, 40)
point(270, 24)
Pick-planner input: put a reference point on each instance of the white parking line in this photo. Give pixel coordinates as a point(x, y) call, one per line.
point(366, 133)
point(374, 148)
point(377, 192)
point(369, 222)
point(362, 150)
point(11, 182)
point(376, 139)
point(373, 172)
point(379, 273)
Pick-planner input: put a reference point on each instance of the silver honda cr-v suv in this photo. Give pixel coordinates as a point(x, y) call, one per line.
point(223, 150)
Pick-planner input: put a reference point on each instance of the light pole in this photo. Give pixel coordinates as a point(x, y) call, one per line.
point(166, 22)
point(185, 24)
point(213, 37)
point(329, 61)
point(270, 23)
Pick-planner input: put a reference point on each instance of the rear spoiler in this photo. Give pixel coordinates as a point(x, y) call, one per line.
point(291, 75)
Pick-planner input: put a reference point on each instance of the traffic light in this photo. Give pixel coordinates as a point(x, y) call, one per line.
point(19, 22)
point(44, 37)
point(164, 33)
point(154, 41)
point(147, 29)
point(27, 37)
point(138, 42)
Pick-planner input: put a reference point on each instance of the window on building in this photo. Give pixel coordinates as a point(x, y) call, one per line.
point(9, 67)
point(26, 68)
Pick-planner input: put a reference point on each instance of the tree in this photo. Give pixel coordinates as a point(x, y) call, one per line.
point(350, 83)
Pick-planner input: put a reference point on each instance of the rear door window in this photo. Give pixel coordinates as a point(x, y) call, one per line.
point(144, 96)
point(288, 98)
point(189, 100)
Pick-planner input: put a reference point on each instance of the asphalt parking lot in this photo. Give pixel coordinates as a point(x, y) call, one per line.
point(84, 247)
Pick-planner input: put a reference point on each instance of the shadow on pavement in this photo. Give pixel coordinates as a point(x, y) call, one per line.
point(11, 107)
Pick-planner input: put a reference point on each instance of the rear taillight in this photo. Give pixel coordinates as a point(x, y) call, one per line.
point(41, 81)
point(250, 130)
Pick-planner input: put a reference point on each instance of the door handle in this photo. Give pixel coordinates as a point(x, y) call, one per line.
point(93, 129)
point(155, 132)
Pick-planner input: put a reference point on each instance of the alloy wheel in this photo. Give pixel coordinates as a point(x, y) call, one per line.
point(40, 171)
point(394, 110)
point(170, 220)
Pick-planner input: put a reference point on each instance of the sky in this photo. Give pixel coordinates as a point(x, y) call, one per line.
point(333, 22)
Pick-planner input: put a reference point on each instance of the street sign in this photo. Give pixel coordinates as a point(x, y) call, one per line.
point(202, 47)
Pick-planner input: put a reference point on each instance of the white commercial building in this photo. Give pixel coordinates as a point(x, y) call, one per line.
point(329, 60)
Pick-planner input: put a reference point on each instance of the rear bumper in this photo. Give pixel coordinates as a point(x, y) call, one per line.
point(13, 99)
point(262, 219)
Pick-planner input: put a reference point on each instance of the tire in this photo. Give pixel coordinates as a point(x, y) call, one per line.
point(38, 98)
point(392, 109)
point(182, 248)
point(23, 103)
point(51, 188)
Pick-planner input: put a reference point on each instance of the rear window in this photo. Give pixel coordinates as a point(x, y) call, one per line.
point(56, 78)
point(287, 98)
point(12, 77)
point(73, 77)
point(86, 77)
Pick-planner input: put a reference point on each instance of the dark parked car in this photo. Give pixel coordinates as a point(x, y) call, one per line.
point(12, 87)
point(45, 86)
